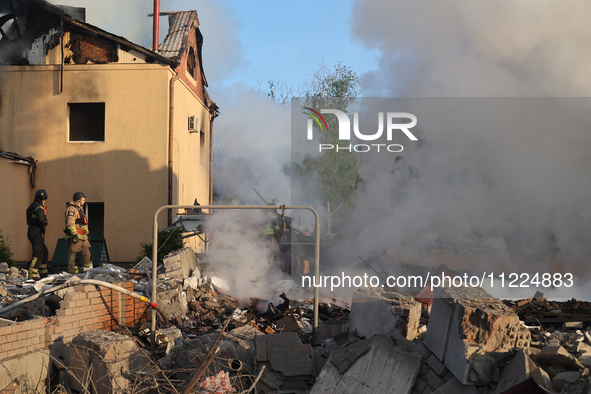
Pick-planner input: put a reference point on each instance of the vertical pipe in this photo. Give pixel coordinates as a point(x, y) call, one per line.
point(156, 24)
point(154, 278)
point(170, 143)
point(213, 115)
point(62, 53)
point(317, 275)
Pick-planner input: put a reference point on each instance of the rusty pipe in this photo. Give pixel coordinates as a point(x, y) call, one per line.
point(156, 25)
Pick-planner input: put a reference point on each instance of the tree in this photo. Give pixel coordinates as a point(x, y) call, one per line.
point(5, 252)
point(330, 178)
point(168, 241)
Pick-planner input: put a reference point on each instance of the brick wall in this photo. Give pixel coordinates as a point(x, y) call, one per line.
point(21, 338)
point(85, 309)
point(92, 49)
point(196, 85)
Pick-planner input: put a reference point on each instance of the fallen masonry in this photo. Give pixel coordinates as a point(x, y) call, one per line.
point(92, 338)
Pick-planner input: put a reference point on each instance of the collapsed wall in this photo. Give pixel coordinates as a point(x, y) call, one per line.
point(469, 330)
point(83, 308)
point(375, 311)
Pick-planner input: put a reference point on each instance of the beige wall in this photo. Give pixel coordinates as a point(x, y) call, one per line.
point(128, 172)
point(15, 196)
point(191, 168)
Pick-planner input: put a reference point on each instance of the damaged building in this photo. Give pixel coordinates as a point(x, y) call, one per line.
point(82, 109)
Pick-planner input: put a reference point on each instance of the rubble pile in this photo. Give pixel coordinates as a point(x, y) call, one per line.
point(539, 311)
point(464, 341)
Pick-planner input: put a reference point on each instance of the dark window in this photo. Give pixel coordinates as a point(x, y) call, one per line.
point(191, 63)
point(87, 121)
point(95, 212)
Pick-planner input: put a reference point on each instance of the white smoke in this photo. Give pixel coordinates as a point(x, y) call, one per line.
point(487, 48)
point(240, 256)
point(477, 187)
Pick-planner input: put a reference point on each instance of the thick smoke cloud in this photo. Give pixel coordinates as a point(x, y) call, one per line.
point(503, 192)
point(485, 48)
point(241, 257)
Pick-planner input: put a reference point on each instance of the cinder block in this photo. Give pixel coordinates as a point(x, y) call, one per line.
point(107, 354)
point(466, 323)
point(433, 380)
point(375, 311)
point(292, 360)
point(436, 365)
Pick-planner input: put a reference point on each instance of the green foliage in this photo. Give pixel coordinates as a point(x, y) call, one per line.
point(330, 177)
point(5, 252)
point(168, 241)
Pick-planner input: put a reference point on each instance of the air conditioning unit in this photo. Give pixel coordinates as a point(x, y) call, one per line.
point(193, 124)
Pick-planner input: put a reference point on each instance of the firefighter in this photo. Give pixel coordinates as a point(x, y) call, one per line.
point(403, 174)
point(77, 234)
point(37, 221)
point(271, 230)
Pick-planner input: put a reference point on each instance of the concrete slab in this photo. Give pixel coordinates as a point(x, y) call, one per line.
point(570, 377)
point(342, 359)
point(383, 369)
point(454, 386)
point(518, 372)
point(172, 298)
point(469, 329)
point(294, 360)
point(557, 355)
point(378, 312)
point(181, 264)
point(100, 359)
point(326, 331)
point(32, 368)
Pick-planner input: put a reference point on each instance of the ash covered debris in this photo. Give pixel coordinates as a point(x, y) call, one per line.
point(467, 341)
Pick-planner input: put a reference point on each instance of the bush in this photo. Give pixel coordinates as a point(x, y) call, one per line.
point(5, 253)
point(168, 241)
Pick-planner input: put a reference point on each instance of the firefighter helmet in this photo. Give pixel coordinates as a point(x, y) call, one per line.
point(41, 194)
point(78, 196)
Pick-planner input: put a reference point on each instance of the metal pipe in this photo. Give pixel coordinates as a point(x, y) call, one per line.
point(155, 255)
point(171, 142)
point(156, 24)
point(62, 52)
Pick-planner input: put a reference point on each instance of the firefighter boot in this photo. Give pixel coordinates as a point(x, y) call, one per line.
point(72, 267)
point(33, 272)
point(43, 271)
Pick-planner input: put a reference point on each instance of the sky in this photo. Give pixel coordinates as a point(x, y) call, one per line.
point(249, 42)
point(495, 185)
